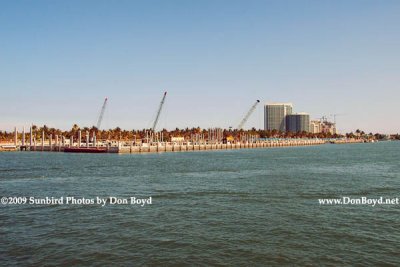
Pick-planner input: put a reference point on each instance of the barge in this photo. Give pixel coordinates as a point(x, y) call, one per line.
point(85, 150)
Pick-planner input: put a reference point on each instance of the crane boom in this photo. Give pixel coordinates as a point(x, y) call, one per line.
point(159, 112)
point(241, 124)
point(103, 108)
point(335, 115)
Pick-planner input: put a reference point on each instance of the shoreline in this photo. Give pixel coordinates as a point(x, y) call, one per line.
point(130, 148)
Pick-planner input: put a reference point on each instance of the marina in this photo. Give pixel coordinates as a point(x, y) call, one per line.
point(91, 145)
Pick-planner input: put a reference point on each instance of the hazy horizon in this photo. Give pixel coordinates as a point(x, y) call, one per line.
point(59, 60)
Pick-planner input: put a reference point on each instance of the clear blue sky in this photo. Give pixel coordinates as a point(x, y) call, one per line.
point(59, 59)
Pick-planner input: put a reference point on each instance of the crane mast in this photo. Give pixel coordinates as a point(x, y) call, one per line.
point(103, 108)
point(159, 112)
point(334, 117)
point(248, 114)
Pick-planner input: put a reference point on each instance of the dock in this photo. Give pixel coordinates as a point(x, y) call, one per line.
point(91, 145)
point(132, 148)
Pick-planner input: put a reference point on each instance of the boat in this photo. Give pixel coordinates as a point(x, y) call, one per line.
point(85, 150)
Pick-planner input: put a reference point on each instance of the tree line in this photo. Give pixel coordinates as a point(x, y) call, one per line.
point(128, 135)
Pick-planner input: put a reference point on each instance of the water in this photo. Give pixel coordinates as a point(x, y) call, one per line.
point(234, 207)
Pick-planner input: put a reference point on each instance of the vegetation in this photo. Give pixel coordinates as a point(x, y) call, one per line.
point(130, 135)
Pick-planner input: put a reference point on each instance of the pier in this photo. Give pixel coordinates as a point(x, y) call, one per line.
point(171, 147)
point(85, 144)
point(129, 147)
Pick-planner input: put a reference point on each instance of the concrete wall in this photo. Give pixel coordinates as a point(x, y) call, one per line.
point(205, 147)
point(197, 147)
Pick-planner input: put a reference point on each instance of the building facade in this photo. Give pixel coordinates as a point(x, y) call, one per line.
point(323, 126)
point(315, 127)
point(328, 127)
point(299, 122)
point(275, 116)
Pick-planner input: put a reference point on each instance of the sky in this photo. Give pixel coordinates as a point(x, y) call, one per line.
point(60, 59)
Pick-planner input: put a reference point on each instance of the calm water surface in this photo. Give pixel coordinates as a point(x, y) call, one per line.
point(234, 208)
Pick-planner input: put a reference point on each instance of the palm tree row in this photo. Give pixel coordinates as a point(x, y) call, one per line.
point(128, 135)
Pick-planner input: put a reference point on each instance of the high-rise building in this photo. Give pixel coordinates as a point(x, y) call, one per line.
point(315, 126)
point(322, 126)
point(299, 122)
point(275, 116)
point(328, 127)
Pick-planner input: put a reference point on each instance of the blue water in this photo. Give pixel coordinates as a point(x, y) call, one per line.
point(222, 208)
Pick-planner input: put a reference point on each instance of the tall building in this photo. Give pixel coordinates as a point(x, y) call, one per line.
point(322, 126)
point(299, 122)
point(315, 126)
point(275, 116)
point(328, 127)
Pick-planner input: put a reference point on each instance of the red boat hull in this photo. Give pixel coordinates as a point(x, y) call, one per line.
point(85, 150)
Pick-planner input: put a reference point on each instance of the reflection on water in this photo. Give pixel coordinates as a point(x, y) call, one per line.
point(240, 207)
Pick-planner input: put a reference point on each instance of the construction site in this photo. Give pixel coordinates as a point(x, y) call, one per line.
point(151, 140)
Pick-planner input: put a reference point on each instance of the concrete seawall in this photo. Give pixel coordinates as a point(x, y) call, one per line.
point(130, 148)
point(167, 147)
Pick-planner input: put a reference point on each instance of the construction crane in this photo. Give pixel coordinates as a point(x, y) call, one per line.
point(335, 115)
point(241, 124)
point(323, 119)
point(159, 112)
point(103, 108)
